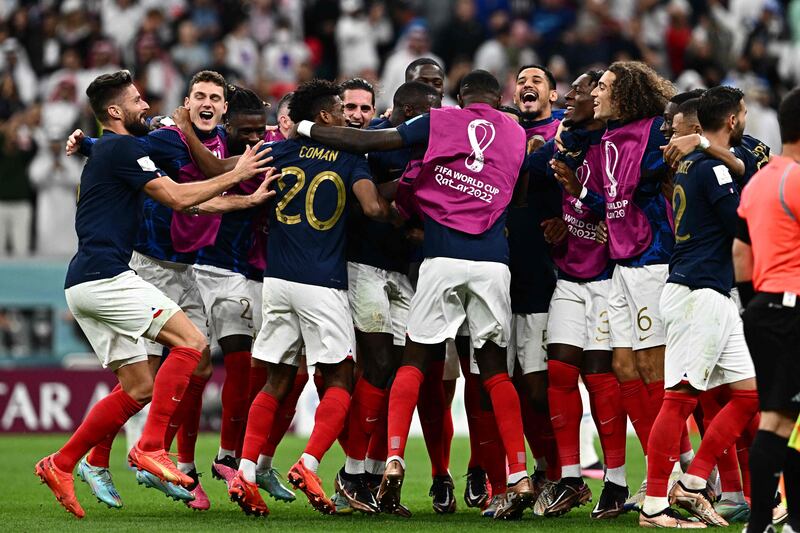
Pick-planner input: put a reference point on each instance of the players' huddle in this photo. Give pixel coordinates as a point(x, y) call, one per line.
point(529, 247)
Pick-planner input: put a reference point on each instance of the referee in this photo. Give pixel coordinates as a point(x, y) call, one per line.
point(766, 256)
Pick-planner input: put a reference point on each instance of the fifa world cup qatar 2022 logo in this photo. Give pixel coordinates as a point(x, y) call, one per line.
point(481, 134)
point(582, 173)
point(612, 159)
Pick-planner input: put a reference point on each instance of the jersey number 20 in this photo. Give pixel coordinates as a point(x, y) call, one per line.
point(313, 220)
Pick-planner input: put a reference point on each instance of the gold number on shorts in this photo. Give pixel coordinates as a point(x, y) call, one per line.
point(642, 319)
point(313, 220)
point(604, 321)
point(247, 314)
point(679, 206)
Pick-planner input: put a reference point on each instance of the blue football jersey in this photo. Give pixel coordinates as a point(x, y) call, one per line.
point(108, 213)
point(307, 217)
point(705, 199)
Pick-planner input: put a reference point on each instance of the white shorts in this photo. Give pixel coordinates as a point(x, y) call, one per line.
point(295, 314)
point(117, 314)
point(578, 315)
point(705, 339)
point(254, 289)
point(227, 300)
point(452, 290)
point(452, 365)
point(528, 343)
point(379, 300)
point(178, 283)
point(634, 312)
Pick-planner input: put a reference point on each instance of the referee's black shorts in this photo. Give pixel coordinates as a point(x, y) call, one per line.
point(772, 332)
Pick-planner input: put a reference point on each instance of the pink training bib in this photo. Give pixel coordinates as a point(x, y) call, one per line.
point(190, 233)
point(582, 257)
point(629, 232)
point(471, 166)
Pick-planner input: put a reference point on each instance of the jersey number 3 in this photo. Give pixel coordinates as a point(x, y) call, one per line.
point(311, 217)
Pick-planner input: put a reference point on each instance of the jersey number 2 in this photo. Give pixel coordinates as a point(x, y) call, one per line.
point(679, 206)
point(313, 220)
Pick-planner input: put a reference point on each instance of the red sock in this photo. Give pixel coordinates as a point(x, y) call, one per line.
point(105, 418)
point(190, 424)
point(377, 450)
point(743, 452)
point(636, 402)
point(259, 421)
point(284, 415)
point(366, 409)
point(447, 436)
point(431, 409)
point(187, 409)
point(723, 432)
point(728, 465)
point(566, 410)
point(328, 421)
point(539, 433)
point(258, 378)
point(402, 401)
point(655, 390)
point(686, 443)
point(472, 405)
point(101, 452)
point(170, 384)
point(235, 397)
point(605, 401)
point(505, 404)
point(664, 444)
point(493, 457)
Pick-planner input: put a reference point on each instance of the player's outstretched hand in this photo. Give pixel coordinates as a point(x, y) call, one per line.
point(264, 193)
point(181, 118)
point(601, 236)
point(679, 147)
point(253, 161)
point(74, 142)
point(555, 230)
point(567, 178)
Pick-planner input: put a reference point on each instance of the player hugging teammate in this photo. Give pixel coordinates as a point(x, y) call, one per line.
point(553, 247)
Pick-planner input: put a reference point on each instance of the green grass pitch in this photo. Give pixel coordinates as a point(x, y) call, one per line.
point(26, 505)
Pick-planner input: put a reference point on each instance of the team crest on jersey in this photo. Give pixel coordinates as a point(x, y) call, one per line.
point(485, 129)
point(612, 159)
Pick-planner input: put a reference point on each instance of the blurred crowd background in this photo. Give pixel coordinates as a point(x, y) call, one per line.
point(50, 50)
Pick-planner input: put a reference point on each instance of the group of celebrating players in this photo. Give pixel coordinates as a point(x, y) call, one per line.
point(527, 247)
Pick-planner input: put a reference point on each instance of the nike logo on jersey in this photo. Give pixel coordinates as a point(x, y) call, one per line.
point(371, 420)
point(642, 339)
point(174, 399)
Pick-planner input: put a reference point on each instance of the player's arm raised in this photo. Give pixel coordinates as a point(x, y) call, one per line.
point(181, 196)
point(680, 147)
point(236, 202)
point(208, 163)
point(351, 139)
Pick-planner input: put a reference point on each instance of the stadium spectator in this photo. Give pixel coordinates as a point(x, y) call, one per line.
point(55, 178)
point(462, 35)
point(189, 54)
point(17, 149)
point(414, 43)
point(357, 43)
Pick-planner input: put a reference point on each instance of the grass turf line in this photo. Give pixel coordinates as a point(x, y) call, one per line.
point(26, 505)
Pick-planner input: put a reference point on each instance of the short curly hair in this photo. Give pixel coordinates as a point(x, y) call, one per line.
point(638, 92)
point(311, 98)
